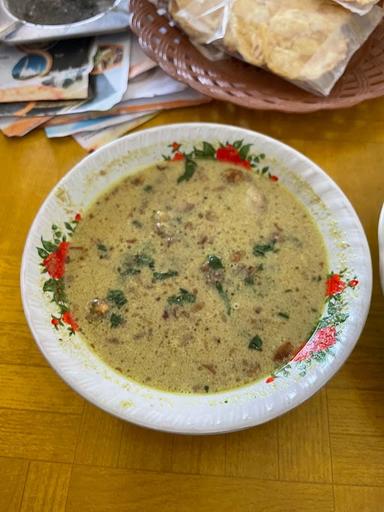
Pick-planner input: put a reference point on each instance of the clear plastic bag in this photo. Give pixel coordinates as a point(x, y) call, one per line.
point(358, 6)
point(308, 42)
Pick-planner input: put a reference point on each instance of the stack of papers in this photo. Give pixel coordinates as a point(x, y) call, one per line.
point(94, 89)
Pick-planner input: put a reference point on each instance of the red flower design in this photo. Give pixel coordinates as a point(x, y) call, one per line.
point(270, 379)
point(54, 262)
point(68, 319)
point(323, 339)
point(334, 285)
point(175, 146)
point(229, 153)
point(273, 178)
point(353, 283)
point(55, 322)
point(178, 156)
point(78, 217)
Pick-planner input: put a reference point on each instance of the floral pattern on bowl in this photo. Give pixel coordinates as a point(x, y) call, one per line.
point(347, 293)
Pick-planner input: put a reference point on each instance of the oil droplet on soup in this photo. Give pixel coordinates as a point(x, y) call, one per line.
point(199, 286)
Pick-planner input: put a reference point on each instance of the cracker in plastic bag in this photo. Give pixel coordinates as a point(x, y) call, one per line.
point(358, 6)
point(308, 42)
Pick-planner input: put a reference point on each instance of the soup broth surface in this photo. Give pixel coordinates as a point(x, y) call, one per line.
point(197, 286)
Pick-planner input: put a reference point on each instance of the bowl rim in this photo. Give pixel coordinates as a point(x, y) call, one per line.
point(306, 391)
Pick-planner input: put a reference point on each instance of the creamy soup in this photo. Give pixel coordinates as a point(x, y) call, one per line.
point(200, 285)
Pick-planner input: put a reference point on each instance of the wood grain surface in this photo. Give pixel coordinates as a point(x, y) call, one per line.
point(59, 453)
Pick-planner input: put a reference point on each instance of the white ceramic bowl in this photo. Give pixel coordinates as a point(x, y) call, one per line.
point(346, 307)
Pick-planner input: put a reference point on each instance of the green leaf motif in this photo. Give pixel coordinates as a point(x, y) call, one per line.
point(238, 143)
point(190, 167)
point(50, 285)
point(208, 150)
point(48, 246)
point(244, 151)
point(42, 253)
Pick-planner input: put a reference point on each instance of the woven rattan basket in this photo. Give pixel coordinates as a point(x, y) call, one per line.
point(238, 82)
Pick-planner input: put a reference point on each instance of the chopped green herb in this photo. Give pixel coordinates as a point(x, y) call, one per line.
point(283, 315)
point(161, 276)
point(103, 250)
point(117, 297)
point(127, 270)
point(206, 389)
point(256, 343)
point(116, 320)
point(148, 188)
point(215, 262)
point(263, 249)
point(143, 260)
point(184, 297)
point(223, 294)
point(249, 280)
point(137, 223)
point(190, 167)
point(130, 266)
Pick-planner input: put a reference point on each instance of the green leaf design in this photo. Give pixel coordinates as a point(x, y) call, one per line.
point(209, 150)
point(238, 143)
point(48, 246)
point(42, 253)
point(244, 151)
point(50, 285)
point(190, 167)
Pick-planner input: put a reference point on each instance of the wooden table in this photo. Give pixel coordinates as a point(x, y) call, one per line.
point(57, 452)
